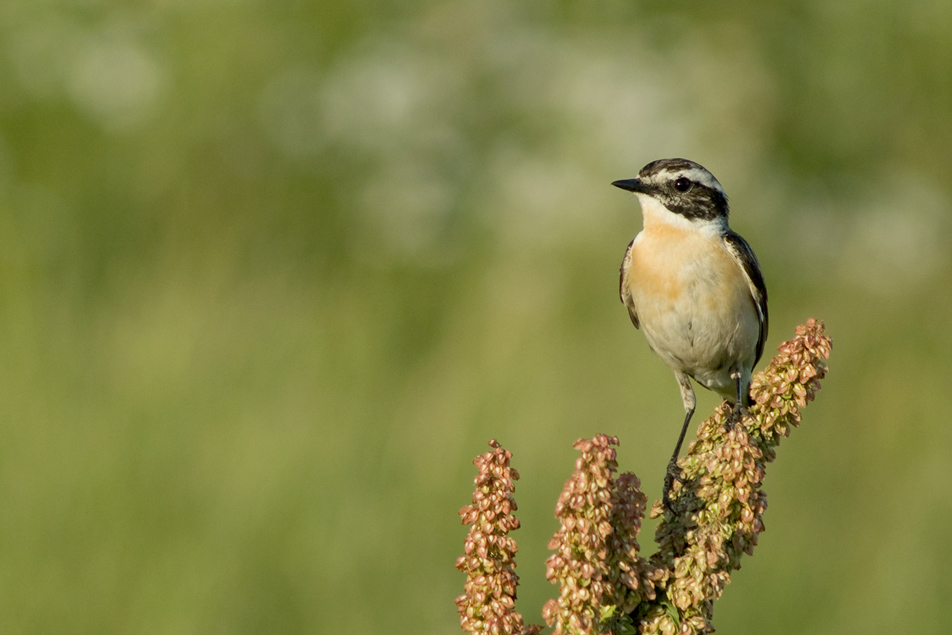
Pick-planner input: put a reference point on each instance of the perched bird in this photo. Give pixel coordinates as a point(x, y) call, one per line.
point(693, 286)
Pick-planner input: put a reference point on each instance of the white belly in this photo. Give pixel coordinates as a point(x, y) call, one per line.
point(695, 308)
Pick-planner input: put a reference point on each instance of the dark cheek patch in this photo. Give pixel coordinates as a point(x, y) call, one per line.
point(703, 203)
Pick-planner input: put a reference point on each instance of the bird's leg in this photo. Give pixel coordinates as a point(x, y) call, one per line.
point(673, 472)
point(743, 397)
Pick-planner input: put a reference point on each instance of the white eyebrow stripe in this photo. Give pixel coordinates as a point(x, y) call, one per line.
point(695, 174)
point(704, 178)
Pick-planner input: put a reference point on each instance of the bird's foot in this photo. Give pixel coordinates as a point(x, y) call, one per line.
point(738, 412)
point(673, 473)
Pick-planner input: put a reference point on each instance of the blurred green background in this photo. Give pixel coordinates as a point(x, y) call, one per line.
point(273, 272)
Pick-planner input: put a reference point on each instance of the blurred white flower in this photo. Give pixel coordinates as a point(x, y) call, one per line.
point(116, 80)
point(897, 238)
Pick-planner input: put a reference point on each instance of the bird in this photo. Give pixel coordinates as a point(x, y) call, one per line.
point(694, 287)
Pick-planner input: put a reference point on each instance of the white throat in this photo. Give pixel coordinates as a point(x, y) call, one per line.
point(654, 214)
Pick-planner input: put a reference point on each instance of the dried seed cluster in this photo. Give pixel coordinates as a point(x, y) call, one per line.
point(715, 516)
point(596, 563)
point(488, 604)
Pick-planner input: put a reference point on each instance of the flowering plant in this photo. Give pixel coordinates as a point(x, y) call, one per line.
point(712, 519)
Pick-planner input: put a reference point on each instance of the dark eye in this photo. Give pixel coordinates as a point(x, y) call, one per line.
point(682, 184)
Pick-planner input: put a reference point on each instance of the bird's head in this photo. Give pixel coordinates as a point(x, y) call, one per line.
point(681, 187)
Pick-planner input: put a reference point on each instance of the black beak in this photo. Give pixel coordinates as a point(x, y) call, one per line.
point(632, 185)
